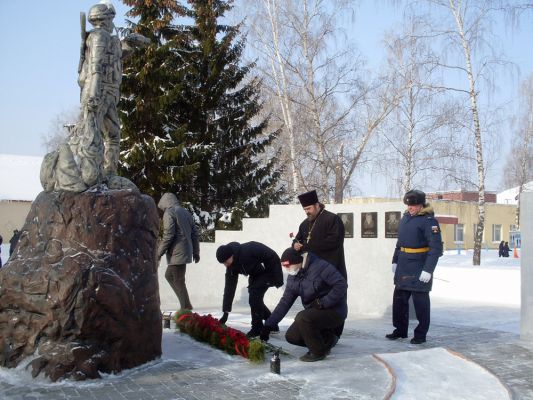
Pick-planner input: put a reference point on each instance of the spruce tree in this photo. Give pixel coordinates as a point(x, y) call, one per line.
point(153, 144)
point(221, 113)
point(190, 115)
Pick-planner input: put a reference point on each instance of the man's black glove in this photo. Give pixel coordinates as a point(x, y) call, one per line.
point(196, 258)
point(316, 304)
point(224, 318)
point(265, 334)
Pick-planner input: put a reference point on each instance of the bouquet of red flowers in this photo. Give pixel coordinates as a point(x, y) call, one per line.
point(206, 328)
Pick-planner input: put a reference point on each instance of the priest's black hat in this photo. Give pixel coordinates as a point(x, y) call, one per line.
point(308, 198)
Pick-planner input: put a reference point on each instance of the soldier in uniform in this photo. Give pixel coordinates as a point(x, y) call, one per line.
point(418, 249)
point(99, 79)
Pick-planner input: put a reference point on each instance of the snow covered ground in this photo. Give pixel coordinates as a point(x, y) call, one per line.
point(486, 296)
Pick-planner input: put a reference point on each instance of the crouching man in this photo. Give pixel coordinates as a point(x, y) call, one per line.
point(323, 293)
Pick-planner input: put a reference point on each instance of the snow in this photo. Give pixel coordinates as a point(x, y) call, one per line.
point(19, 177)
point(509, 196)
point(473, 383)
point(462, 295)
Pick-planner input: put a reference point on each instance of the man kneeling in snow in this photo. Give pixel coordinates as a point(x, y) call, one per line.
point(323, 292)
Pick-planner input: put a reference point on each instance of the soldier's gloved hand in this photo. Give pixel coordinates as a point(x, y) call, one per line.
point(393, 267)
point(265, 334)
point(224, 318)
point(196, 258)
point(424, 277)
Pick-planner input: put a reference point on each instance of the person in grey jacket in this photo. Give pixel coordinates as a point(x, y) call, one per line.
point(179, 243)
point(322, 289)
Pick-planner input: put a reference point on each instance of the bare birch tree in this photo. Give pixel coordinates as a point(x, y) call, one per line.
point(463, 26)
point(318, 89)
point(519, 165)
point(59, 129)
point(418, 136)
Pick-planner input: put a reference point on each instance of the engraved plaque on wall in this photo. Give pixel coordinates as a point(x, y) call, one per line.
point(369, 225)
point(347, 220)
point(392, 219)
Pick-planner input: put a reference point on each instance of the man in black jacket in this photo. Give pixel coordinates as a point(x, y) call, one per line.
point(262, 266)
point(321, 233)
point(322, 290)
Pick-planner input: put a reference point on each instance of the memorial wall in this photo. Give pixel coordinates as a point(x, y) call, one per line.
point(370, 231)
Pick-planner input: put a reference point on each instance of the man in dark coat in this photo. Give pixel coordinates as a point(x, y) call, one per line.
point(262, 266)
point(505, 251)
point(322, 290)
point(321, 233)
point(417, 252)
point(179, 243)
point(13, 241)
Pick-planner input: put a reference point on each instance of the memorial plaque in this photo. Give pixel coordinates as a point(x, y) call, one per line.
point(369, 225)
point(392, 219)
point(347, 220)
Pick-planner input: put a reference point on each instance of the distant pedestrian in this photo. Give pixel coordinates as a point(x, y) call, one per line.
point(500, 249)
point(1, 240)
point(262, 266)
point(417, 252)
point(180, 244)
point(13, 241)
point(505, 251)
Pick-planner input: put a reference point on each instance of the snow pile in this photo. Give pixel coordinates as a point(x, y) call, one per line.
point(427, 374)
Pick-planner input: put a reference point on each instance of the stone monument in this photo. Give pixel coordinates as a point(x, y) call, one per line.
point(80, 294)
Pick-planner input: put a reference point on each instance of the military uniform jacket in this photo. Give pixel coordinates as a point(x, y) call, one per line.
point(257, 261)
point(416, 232)
point(326, 239)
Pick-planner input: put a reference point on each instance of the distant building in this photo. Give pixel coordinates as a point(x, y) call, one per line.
point(510, 196)
point(462, 195)
point(19, 186)
point(457, 213)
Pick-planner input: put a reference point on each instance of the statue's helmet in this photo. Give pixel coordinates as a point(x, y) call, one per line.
point(101, 12)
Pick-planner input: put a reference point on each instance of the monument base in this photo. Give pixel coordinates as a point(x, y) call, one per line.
point(80, 291)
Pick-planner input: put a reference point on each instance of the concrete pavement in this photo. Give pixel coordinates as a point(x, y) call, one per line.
point(352, 370)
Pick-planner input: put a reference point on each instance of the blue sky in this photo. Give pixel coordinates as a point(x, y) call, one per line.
point(39, 50)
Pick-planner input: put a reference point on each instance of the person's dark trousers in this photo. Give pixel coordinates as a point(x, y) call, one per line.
point(311, 328)
point(400, 312)
point(257, 288)
point(175, 275)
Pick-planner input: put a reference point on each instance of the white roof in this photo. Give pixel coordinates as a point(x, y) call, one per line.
point(19, 177)
point(509, 196)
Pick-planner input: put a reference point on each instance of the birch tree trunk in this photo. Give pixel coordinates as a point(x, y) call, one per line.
point(478, 236)
point(280, 77)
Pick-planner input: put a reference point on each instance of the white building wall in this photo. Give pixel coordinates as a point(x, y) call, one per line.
point(526, 264)
point(368, 261)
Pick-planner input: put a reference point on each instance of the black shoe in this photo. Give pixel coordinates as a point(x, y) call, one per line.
point(275, 330)
point(254, 332)
point(310, 357)
point(417, 340)
point(394, 336)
